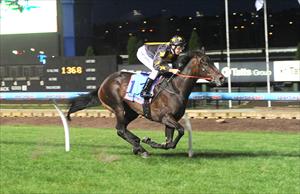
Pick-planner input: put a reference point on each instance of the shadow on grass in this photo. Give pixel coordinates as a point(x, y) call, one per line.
point(26, 143)
point(226, 154)
point(196, 154)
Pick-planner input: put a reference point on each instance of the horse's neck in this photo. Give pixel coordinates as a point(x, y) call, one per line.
point(185, 84)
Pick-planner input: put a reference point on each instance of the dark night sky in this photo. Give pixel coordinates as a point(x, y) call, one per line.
point(121, 10)
point(110, 22)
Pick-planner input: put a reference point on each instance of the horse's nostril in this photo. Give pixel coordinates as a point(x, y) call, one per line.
point(221, 79)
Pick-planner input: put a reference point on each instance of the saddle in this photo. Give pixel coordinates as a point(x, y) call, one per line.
point(135, 87)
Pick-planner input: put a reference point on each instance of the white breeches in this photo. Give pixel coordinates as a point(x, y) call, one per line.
point(147, 61)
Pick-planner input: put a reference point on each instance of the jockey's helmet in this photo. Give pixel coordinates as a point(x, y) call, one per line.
point(177, 41)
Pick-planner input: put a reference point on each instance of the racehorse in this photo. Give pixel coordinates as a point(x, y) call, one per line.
point(167, 106)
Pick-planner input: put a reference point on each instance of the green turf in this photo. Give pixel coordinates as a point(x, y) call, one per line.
point(33, 160)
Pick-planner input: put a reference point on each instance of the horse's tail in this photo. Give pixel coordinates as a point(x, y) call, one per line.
point(82, 102)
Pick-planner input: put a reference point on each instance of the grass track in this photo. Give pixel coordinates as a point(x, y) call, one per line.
point(33, 161)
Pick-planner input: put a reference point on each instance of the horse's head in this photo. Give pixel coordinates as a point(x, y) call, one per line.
point(197, 64)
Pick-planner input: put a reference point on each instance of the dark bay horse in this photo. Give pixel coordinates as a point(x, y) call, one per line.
point(168, 104)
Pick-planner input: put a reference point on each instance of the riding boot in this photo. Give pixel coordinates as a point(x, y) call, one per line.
point(146, 89)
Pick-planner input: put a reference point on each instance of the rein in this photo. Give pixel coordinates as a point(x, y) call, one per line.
point(193, 77)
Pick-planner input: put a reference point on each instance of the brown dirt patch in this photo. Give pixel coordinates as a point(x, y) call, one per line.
point(140, 123)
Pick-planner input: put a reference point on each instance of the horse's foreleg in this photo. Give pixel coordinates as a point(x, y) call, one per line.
point(170, 121)
point(153, 144)
point(169, 132)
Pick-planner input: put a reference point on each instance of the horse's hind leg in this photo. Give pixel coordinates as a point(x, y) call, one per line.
point(122, 123)
point(129, 116)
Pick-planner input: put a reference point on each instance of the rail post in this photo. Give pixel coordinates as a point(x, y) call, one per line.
point(66, 126)
point(188, 126)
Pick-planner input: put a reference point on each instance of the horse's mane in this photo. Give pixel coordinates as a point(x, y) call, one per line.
point(183, 59)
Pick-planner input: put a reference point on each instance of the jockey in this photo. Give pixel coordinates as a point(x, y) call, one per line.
point(159, 58)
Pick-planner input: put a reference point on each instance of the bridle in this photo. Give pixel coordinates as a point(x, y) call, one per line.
point(197, 77)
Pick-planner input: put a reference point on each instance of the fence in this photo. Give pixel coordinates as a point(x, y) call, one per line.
point(287, 96)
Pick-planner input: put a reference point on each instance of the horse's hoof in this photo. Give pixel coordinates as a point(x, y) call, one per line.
point(135, 150)
point(140, 151)
point(145, 155)
point(146, 140)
